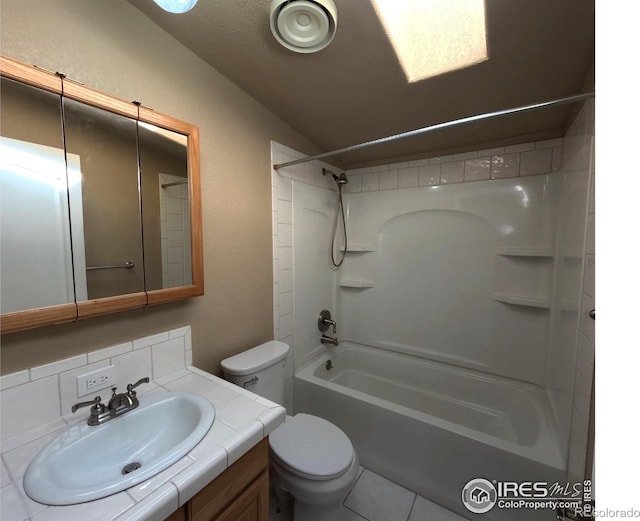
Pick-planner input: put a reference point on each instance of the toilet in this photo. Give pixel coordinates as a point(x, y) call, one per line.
point(313, 465)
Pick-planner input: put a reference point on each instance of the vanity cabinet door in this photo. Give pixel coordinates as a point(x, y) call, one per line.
point(252, 505)
point(240, 493)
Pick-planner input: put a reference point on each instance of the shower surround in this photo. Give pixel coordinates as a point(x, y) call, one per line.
point(472, 262)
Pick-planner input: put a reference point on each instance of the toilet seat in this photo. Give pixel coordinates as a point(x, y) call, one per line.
point(311, 448)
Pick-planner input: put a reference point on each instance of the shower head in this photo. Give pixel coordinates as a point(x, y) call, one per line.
point(339, 179)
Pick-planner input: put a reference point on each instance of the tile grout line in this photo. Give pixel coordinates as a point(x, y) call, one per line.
point(415, 498)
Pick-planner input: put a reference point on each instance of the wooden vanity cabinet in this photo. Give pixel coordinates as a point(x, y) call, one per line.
point(240, 493)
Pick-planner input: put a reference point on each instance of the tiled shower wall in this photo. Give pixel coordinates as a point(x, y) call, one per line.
point(283, 238)
point(524, 159)
point(540, 157)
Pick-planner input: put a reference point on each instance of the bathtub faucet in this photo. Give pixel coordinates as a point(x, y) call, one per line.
point(324, 321)
point(328, 340)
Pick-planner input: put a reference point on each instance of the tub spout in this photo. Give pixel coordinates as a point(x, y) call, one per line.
point(328, 340)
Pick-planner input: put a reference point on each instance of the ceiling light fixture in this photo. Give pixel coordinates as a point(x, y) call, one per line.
point(431, 37)
point(303, 26)
point(176, 6)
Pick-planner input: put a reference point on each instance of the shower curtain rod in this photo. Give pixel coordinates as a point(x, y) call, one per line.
point(438, 126)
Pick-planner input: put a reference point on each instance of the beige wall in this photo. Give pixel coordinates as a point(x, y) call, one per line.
point(110, 46)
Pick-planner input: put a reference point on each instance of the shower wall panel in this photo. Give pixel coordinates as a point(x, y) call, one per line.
point(458, 273)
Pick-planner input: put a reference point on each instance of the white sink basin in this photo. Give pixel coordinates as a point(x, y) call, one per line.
point(86, 463)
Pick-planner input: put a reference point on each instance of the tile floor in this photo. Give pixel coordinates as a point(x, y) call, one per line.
point(375, 498)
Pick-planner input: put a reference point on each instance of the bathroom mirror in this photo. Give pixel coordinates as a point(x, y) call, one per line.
point(101, 203)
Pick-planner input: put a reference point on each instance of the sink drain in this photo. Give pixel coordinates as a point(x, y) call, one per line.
point(131, 467)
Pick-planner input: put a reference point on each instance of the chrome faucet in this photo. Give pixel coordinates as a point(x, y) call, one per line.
point(117, 406)
point(324, 321)
point(328, 340)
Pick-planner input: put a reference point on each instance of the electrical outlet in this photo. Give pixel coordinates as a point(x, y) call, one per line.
point(101, 378)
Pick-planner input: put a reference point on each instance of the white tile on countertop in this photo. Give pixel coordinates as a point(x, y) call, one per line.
point(191, 480)
point(239, 411)
point(142, 490)
point(379, 499)
point(168, 378)
point(190, 383)
point(11, 504)
point(218, 434)
point(104, 509)
point(248, 437)
point(5, 478)
point(18, 459)
point(160, 504)
point(33, 434)
point(271, 420)
point(208, 376)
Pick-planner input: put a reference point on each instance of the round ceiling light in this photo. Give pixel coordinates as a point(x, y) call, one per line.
point(304, 26)
point(176, 6)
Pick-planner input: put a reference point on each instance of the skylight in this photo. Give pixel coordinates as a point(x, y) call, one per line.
point(431, 37)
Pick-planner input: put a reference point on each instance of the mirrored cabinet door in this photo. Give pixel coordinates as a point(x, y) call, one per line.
point(100, 202)
point(166, 207)
point(107, 238)
point(35, 264)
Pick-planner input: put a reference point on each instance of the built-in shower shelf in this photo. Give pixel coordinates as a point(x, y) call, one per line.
point(359, 248)
point(519, 300)
point(352, 283)
point(524, 252)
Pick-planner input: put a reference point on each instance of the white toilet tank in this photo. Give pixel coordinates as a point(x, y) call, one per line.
point(259, 370)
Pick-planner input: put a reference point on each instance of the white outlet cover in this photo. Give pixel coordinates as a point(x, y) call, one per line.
point(93, 381)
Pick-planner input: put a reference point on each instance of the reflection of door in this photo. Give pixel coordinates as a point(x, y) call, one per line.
point(35, 253)
point(175, 230)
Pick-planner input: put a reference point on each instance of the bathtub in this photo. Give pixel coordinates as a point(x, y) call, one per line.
point(431, 427)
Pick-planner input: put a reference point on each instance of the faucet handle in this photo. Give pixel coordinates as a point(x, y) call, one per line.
point(96, 403)
point(131, 387)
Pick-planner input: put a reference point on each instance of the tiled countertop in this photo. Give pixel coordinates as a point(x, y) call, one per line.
point(242, 420)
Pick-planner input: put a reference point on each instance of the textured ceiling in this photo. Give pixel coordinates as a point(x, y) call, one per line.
point(355, 91)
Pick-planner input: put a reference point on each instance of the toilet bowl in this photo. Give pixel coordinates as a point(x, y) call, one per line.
point(313, 464)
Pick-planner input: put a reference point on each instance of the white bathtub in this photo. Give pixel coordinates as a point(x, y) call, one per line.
point(432, 427)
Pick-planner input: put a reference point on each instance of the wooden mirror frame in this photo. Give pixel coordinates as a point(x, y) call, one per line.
point(69, 312)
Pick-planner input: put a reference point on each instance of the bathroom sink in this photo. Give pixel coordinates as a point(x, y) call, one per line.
point(90, 462)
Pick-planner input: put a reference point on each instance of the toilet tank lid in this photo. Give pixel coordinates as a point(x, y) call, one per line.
point(256, 358)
